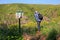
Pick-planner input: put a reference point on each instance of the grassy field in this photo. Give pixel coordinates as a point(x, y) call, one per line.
point(50, 24)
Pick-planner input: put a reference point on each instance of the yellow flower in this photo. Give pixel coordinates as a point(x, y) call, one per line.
point(30, 24)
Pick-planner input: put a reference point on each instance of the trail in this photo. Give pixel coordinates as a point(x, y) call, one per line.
point(37, 36)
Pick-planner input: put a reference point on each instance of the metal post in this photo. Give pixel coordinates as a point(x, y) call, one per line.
point(19, 26)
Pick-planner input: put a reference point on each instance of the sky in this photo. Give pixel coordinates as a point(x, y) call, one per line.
point(30, 1)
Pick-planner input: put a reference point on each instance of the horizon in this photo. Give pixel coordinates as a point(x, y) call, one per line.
point(53, 2)
point(33, 4)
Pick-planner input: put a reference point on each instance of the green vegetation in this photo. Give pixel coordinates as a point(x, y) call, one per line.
point(52, 35)
point(8, 21)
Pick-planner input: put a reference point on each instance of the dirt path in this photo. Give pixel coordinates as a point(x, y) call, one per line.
point(38, 36)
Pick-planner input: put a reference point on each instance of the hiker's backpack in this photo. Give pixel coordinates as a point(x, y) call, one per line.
point(40, 16)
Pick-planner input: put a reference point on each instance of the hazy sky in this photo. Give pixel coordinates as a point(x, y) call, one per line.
point(31, 1)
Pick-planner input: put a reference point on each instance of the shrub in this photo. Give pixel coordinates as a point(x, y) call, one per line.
point(11, 34)
point(52, 35)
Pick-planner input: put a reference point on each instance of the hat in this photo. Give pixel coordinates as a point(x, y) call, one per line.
point(36, 11)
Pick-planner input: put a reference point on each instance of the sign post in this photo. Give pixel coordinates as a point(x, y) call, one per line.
point(19, 15)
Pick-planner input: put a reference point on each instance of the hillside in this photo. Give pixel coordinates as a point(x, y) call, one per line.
point(7, 11)
point(50, 24)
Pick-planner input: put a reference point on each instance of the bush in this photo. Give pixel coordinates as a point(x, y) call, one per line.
point(52, 35)
point(11, 34)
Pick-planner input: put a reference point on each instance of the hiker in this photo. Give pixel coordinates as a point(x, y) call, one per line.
point(38, 18)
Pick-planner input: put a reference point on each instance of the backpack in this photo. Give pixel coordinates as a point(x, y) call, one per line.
point(40, 16)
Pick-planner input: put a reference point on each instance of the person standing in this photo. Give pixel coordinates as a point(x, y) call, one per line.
point(38, 18)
